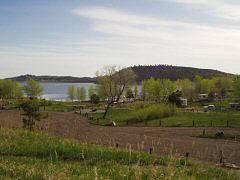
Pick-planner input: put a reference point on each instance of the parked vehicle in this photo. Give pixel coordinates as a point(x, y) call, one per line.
point(211, 107)
point(220, 108)
point(234, 106)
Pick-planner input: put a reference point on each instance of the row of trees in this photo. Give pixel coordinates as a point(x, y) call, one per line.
point(160, 89)
point(80, 93)
point(114, 81)
point(10, 89)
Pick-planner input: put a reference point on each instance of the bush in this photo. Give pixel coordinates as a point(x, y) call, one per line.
point(94, 99)
point(175, 98)
point(138, 105)
point(152, 112)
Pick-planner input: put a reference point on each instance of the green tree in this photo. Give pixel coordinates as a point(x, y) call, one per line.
point(223, 85)
point(159, 89)
point(236, 87)
point(81, 94)
point(10, 89)
point(204, 85)
point(94, 99)
point(91, 91)
point(144, 90)
point(112, 83)
point(175, 98)
point(187, 88)
point(136, 91)
point(33, 88)
point(31, 113)
point(17, 90)
point(72, 92)
point(129, 93)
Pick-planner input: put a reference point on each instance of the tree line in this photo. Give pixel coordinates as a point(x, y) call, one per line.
point(80, 94)
point(160, 89)
point(115, 82)
point(10, 89)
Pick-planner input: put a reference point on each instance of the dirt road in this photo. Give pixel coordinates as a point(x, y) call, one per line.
point(164, 141)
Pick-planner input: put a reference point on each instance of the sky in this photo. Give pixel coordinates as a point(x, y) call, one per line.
point(80, 37)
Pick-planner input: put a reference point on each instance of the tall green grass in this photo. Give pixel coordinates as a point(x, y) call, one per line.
point(137, 113)
point(140, 113)
point(155, 111)
point(25, 143)
point(28, 155)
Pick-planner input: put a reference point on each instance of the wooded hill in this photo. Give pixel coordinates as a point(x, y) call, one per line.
point(174, 72)
point(142, 72)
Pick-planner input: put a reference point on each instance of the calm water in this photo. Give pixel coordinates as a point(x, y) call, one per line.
point(58, 91)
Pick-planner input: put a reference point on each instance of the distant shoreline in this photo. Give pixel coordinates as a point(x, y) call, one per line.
point(61, 82)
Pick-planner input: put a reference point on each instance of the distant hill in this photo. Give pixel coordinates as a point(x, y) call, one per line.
point(142, 72)
point(174, 72)
point(66, 79)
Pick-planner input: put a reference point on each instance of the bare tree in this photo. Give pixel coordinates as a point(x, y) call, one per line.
point(112, 82)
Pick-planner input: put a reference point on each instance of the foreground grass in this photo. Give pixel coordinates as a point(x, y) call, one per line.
point(184, 119)
point(27, 155)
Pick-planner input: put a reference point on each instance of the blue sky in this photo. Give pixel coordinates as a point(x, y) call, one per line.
point(79, 37)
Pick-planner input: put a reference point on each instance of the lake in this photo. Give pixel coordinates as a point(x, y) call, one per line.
point(58, 91)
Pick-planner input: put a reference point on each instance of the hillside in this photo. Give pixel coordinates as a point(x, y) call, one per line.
point(66, 79)
point(173, 72)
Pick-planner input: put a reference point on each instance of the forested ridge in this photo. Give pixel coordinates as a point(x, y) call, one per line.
point(174, 72)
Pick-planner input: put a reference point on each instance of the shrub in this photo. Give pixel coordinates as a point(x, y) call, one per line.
point(175, 98)
point(31, 113)
point(138, 105)
point(152, 112)
point(129, 94)
point(95, 99)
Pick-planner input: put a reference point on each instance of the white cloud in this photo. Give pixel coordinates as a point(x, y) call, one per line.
point(124, 38)
point(159, 40)
point(220, 8)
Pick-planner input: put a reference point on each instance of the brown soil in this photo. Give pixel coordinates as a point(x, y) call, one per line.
point(164, 141)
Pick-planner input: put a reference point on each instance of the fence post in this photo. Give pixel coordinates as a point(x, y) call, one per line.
point(186, 156)
point(150, 150)
point(221, 157)
point(204, 132)
point(146, 122)
point(193, 123)
point(160, 122)
point(227, 123)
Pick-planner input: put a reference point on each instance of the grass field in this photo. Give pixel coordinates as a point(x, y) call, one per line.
point(27, 155)
point(183, 119)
